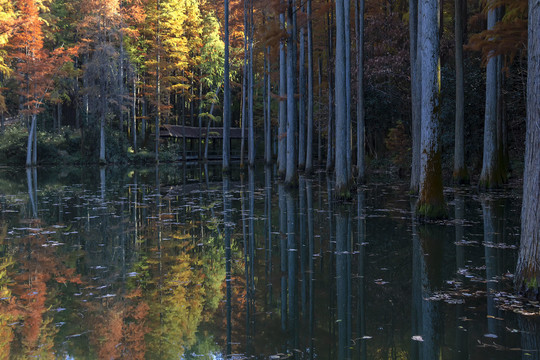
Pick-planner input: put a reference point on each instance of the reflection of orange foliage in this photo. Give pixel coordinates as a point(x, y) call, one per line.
point(31, 294)
point(118, 329)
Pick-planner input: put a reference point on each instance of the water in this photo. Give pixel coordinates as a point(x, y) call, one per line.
point(175, 263)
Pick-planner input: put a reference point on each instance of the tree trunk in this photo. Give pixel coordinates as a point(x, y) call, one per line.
point(309, 147)
point(134, 111)
point(268, 135)
point(59, 116)
point(102, 122)
point(290, 175)
point(460, 174)
point(302, 101)
point(30, 143)
point(330, 133)
point(416, 93)
point(226, 96)
point(360, 111)
point(491, 176)
point(528, 268)
point(342, 179)
point(282, 131)
point(431, 204)
point(244, 88)
point(158, 90)
point(348, 123)
point(251, 125)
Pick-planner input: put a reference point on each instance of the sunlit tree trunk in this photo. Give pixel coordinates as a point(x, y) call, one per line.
point(415, 60)
point(342, 179)
point(360, 111)
point(282, 130)
point(491, 176)
point(226, 96)
point(528, 268)
point(431, 203)
point(309, 147)
point(460, 174)
point(290, 176)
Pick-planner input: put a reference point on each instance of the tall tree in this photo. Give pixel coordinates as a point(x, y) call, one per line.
point(492, 175)
point(227, 95)
point(251, 89)
point(460, 174)
point(342, 177)
point(282, 128)
point(415, 60)
point(360, 111)
point(309, 139)
point(302, 98)
point(431, 202)
point(528, 268)
point(291, 172)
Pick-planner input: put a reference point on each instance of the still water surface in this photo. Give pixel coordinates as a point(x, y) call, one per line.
point(175, 262)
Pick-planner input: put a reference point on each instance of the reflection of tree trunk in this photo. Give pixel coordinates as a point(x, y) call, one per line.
point(228, 256)
point(427, 260)
point(342, 284)
point(31, 193)
point(303, 244)
point(292, 250)
point(361, 301)
point(268, 232)
point(490, 252)
point(311, 269)
point(283, 253)
point(462, 349)
point(530, 337)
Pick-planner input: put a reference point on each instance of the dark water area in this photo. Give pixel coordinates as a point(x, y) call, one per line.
point(176, 262)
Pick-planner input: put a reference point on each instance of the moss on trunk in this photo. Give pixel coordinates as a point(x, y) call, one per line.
point(431, 204)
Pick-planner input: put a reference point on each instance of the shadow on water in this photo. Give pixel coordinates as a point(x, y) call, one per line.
point(180, 262)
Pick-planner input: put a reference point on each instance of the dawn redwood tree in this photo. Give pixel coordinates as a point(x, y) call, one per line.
point(302, 99)
point(35, 67)
point(415, 60)
point(460, 174)
point(360, 111)
point(492, 176)
point(226, 95)
point(342, 177)
point(309, 141)
point(291, 171)
point(431, 202)
point(528, 268)
point(282, 127)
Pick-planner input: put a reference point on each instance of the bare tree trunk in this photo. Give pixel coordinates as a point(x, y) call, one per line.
point(134, 111)
point(302, 100)
point(290, 175)
point(251, 89)
point(268, 135)
point(348, 122)
point(416, 93)
point(282, 132)
point(309, 147)
point(342, 179)
point(491, 176)
point(244, 88)
point(226, 97)
point(528, 268)
point(30, 143)
point(360, 111)
point(460, 175)
point(103, 113)
point(330, 133)
point(431, 203)
point(158, 90)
